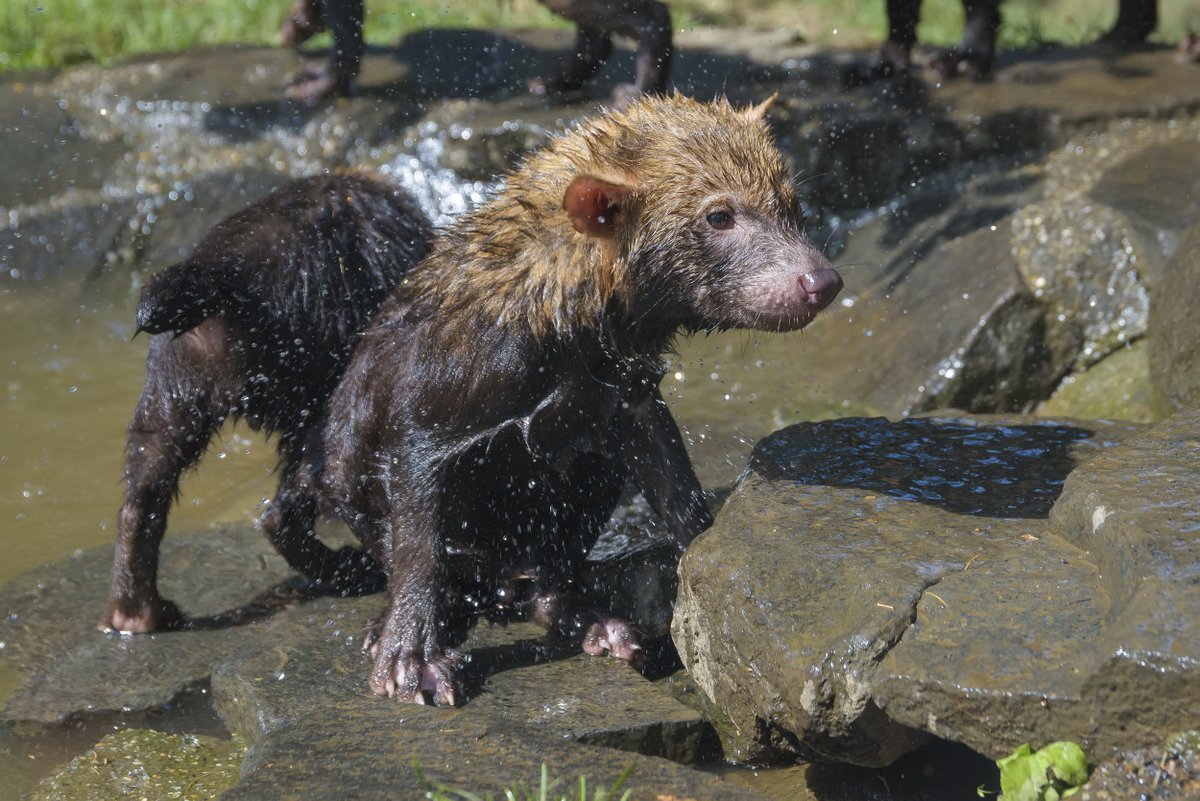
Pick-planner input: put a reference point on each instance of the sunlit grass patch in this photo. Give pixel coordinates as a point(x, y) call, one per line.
point(545, 790)
point(53, 33)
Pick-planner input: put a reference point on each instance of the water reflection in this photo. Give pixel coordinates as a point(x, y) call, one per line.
point(963, 466)
point(70, 378)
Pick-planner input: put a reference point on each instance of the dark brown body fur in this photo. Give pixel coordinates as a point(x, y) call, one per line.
point(257, 324)
point(488, 422)
point(648, 22)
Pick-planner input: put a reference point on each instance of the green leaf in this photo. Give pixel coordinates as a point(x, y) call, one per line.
point(1068, 762)
point(1022, 751)
point(1050, 774)
point(1022, 776)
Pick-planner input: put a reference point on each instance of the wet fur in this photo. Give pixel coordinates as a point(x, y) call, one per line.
point(486, 426)
point(257, 324)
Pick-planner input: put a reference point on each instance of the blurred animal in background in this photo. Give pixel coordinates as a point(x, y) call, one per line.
point(344, 19)
point(974, 55)
point(648, 22)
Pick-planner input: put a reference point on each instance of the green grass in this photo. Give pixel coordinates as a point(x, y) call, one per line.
point(53, 33)
point(546, 790)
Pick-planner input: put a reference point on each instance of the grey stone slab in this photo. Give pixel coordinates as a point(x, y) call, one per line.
point(1136, 512)
point(68, 667)
point(831, 555)
point(346, 751)
point(305, 659)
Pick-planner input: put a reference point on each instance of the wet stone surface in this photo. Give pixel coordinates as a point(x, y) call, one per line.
point(995, 238)
point(322, 754)
point(1169, 772)
point(1118, 387)
point(140, 763)
point(68, 667)
point(1174, 344)
point(307, 658)
point(925, 578)
point(286, 674)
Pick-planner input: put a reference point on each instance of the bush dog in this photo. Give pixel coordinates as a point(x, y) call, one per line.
point(257, 324)
point(488, 421)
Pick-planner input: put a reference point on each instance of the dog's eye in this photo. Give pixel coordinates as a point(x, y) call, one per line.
point(721, 220)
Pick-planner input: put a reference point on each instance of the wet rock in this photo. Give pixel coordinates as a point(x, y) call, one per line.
point(139, 763)
point(307, 658)
point(68, 667)
point(1174, 333)
point(297, 661)
point(1116, 388)
point(373, 748)
point(275, 658)
point(1095, 244)
point(1135, 510)
point(735, 747)
point(863, 146)
point(870, 583)
point(1169, 772)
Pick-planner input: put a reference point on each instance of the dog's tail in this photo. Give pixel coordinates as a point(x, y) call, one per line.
point(177, 299)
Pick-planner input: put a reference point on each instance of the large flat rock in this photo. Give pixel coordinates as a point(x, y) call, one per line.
point(870, 583)
point(68, 667)
point(285, 672)
point(351, 751)
point(307, 658)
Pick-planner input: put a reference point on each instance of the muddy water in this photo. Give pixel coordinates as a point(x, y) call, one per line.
point(71, 375)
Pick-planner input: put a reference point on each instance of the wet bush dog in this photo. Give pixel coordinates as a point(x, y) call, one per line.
point(973, 56)
point(648, 22)
point(258, 323)
point(489, 419)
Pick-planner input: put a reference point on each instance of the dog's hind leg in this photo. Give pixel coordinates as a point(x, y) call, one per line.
point(169, 431)
point(289, 525)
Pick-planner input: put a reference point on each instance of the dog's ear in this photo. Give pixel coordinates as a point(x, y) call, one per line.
point(759, 112)
point(594, 204)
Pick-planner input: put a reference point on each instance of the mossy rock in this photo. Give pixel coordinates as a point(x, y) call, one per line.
point(141, 763)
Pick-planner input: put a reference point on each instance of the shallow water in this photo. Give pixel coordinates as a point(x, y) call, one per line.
point(71, 375)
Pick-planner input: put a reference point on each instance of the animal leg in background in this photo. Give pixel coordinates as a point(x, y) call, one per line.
point(648, 22)
point(344, 19)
